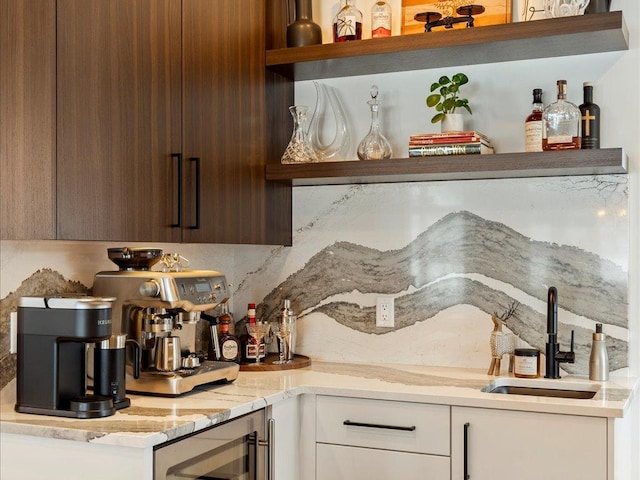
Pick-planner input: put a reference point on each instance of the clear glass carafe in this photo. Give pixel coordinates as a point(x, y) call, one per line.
point(328, 116)
point(374, 146)
point(299, 149)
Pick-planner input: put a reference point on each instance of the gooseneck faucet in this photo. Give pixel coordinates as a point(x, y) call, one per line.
point(554, 357)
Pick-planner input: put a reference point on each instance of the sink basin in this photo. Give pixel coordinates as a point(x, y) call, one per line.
point(541, 388)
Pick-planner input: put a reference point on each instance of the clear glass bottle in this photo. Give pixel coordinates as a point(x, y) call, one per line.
point(347, 25)
point(533, 124)
point(380, 20)
point(561, 123)
point(590, 118)
point(299, 149)
point(374, 146)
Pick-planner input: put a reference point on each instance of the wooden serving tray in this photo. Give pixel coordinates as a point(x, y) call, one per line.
point(299, 361)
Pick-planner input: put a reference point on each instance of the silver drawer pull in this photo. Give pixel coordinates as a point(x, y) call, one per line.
point(376, 425)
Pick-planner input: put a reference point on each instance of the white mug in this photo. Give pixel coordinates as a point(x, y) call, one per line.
point(564, 8)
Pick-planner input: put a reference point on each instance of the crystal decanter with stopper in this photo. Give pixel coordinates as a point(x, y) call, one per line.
point(374, 146)
point(299, 149)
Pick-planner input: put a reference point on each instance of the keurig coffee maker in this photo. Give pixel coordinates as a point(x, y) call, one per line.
point(53, 333)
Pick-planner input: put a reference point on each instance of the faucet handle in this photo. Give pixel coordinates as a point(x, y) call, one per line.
point(573, 332)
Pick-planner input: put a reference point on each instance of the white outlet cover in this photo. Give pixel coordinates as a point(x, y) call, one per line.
point(385, 316)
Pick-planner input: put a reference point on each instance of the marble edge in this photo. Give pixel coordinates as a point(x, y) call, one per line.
point(254, 391)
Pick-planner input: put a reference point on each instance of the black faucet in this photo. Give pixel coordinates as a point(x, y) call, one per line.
point(554, 357)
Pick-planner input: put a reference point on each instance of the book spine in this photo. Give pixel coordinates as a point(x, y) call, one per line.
point(433, 150)
point(443, 140)
point(469, 133)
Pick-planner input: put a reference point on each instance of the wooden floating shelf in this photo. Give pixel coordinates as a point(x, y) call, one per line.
point(453, 167)
point(554, 37)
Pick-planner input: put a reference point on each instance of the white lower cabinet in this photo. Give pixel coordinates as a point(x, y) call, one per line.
point(504, 444)
point(335, 462)
point(381, 440)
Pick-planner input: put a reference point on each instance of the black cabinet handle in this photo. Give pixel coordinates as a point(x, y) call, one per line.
point(196, 225)
point(466, 452)
point(178, 158)
point(375, 425)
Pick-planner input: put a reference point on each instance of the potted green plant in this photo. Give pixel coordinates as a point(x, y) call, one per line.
point(445, 98)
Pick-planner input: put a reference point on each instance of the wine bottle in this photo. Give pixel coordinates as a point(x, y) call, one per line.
point(533, 124)
point(590, 119)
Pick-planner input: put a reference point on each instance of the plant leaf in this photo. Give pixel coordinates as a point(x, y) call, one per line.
point(438, 117)
point(460, 78)
point(432, 100)
point(444, 80)
point(434, 86)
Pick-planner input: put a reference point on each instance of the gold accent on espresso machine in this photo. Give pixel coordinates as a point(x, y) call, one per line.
point(160, 310)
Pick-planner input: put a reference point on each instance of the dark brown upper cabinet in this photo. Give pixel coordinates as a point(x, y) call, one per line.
point(162, 123)
point(27, 113)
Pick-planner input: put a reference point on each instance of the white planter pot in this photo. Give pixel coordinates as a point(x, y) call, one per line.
point(452, 122)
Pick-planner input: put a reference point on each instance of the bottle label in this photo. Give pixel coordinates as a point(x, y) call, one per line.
point(559, 139)
point(229, 350)
point(380, 25)
point(346, 26)
point(533, 136)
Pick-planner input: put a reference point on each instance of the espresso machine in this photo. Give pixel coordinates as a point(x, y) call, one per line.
point(53, 335)
point(160, 310)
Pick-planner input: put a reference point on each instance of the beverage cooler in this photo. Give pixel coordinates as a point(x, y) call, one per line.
point(236, 450)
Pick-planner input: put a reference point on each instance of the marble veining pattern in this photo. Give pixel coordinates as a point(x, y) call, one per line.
point(428, 276)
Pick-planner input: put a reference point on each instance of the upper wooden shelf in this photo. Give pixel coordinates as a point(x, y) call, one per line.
point(452, 167)
point(555, 37)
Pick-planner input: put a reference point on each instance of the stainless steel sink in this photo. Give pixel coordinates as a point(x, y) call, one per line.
point(541, 388)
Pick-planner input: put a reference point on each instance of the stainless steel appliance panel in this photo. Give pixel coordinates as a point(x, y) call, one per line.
point(235, 450)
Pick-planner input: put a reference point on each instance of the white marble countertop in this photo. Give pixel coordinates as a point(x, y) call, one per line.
point(150, 420)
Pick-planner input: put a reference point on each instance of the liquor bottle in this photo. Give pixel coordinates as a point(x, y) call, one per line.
point(229, 344)
point(347, 25)
point(590, 119)
point(380, 20)
point(561, 123)
point(226, 317)
point(533, 124)
point(251, 349)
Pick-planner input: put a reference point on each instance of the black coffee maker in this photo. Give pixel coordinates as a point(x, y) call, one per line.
point(53, 333)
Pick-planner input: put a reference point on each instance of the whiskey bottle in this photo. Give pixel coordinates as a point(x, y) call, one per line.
point(533, 124)
point(380, 20)
point(590, 119)
point(229, 344)
point(347, 25)
point(561, 123)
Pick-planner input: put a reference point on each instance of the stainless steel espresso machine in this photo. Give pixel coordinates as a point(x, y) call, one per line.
point(160, 310)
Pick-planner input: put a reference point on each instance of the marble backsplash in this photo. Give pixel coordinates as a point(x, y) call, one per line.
point(450, 253)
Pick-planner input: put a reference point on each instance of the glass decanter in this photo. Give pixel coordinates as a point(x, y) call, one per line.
point(374, 146)
point(299, 149)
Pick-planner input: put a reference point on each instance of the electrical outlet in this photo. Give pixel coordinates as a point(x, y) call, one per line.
point(384, 312)
point(13, 332)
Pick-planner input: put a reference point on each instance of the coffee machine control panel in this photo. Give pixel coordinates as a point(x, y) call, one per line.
point(189, 291)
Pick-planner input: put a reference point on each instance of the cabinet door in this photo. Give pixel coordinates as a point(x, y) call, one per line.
point(225, 127)
point(503, 444)
point(27, 110)
point(118, 119)
point(338, 462)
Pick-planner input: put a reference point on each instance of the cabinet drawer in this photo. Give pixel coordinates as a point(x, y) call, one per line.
point(389, 425)
point(337, 462)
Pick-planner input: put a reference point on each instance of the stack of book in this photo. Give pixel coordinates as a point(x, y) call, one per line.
point(449, 143)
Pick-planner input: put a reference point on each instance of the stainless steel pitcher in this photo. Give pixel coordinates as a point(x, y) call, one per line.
point(168, 357)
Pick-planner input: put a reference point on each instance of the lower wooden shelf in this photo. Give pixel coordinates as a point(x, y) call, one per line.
point(453, 167)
